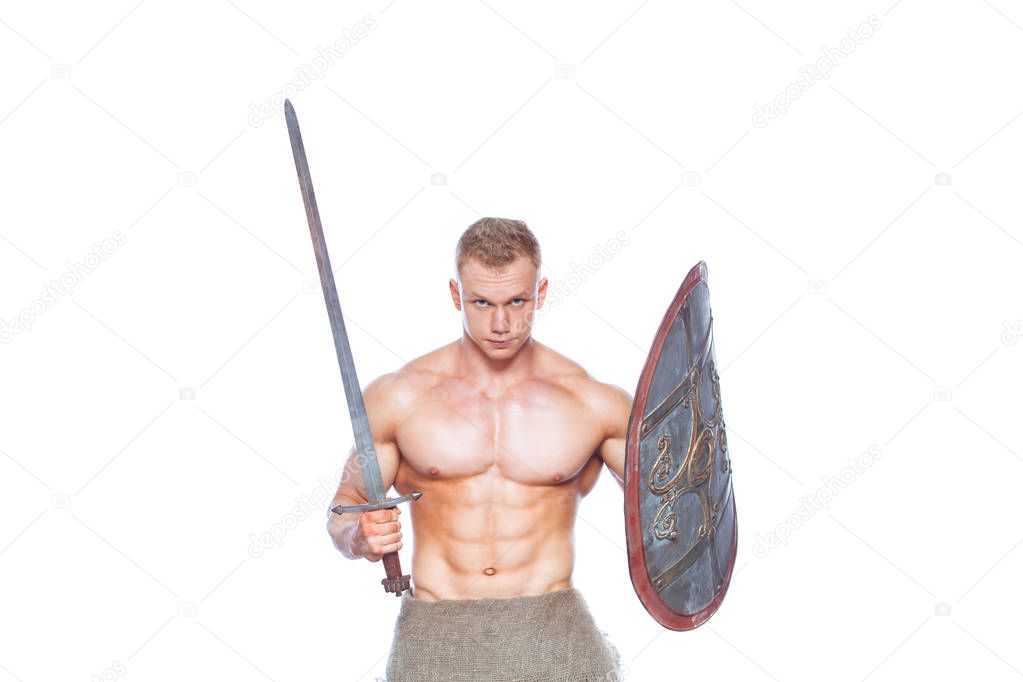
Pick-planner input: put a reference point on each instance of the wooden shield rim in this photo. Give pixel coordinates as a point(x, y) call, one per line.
point(649, 596)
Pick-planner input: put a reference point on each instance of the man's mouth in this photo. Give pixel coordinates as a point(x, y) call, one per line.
point(500, 343)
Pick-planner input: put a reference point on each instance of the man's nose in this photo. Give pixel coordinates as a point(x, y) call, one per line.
point(499, 323)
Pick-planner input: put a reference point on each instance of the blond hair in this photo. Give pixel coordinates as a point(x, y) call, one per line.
point(496, 242)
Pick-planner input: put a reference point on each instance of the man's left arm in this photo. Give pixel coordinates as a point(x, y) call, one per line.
point(617, 408)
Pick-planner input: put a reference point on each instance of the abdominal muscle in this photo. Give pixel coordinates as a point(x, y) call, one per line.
point(487, 536)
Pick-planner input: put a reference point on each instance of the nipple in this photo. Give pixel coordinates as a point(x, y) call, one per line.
point(489, 570)
point(434, 471)
point(557, 477)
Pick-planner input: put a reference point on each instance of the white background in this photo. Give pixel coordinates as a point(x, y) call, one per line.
point(861, 298)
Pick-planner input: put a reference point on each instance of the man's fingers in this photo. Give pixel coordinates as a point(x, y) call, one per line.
point(378, 550)
point(383, 528)
point(381, 532)
point(377, 515)
point(389, 539)
point(382, 515)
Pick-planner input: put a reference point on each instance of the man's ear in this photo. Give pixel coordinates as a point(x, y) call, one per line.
point(456, 295)
point(541, 292)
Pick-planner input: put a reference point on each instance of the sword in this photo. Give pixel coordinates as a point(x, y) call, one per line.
point(375, 493)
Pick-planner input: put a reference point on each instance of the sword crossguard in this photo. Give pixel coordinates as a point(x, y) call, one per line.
point(395, 582)
point(372, 506)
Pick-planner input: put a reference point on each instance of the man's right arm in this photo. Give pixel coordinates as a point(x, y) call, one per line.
point(371, 534)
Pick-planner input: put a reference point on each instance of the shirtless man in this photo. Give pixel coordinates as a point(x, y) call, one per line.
point(503, 436)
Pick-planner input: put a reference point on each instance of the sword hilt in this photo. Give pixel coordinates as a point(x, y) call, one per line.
point(394, 582)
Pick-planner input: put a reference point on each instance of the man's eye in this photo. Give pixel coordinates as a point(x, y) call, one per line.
point(520, 300)
point(479, 301)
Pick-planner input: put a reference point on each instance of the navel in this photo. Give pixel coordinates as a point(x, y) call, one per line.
point(434, 471)
point(489, 570)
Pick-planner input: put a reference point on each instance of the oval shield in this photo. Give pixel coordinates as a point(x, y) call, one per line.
point(679, 511)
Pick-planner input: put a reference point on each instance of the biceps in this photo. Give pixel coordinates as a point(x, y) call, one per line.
point(613, 454)
point(353, 486)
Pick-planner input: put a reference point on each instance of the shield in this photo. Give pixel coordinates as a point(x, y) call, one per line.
point(679, 511)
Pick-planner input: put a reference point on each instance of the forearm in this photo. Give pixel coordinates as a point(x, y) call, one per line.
point(343, 529)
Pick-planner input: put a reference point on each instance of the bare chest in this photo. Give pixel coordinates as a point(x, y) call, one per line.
point(535, 435)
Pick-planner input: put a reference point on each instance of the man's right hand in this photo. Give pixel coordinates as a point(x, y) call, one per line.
point(378, 533)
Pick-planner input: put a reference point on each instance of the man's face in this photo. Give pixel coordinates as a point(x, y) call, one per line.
point(498, 306)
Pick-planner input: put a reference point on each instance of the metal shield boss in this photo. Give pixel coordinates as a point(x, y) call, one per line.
point(679, 509)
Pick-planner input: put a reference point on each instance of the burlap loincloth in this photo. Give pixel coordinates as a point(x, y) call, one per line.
point(545, 638)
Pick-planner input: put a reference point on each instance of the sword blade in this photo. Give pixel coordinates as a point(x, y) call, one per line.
point(375, 491)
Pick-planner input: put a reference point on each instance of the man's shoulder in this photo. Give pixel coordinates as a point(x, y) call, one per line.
point(409, 382)
point(573, 377)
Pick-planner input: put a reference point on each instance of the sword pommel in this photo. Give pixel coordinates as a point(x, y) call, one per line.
point(395, 582)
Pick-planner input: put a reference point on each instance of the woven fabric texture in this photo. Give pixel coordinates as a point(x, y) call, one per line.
point(544, 638)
